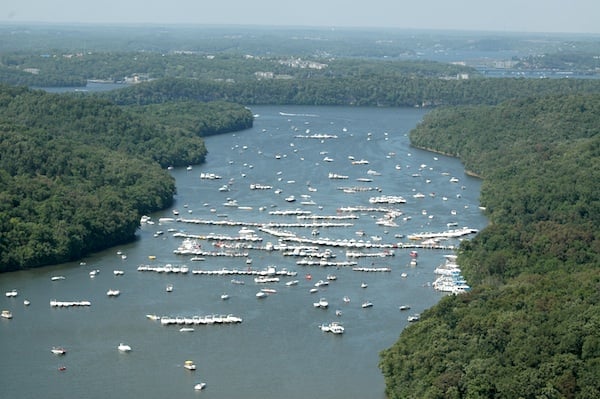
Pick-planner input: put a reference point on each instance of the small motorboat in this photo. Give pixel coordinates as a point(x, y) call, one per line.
point(124, 348)
point(7, 314)
point(11, 293)
point(224, 296)
point(189, 364)
point(200, 386)
point(62, 368)
point(414, 318)
point(363, 285)
point(323, 304)
point(112, 292)
point(186, 329)
point(367, 304)
point(404, 307)
point(169, 288)
point(57, 350)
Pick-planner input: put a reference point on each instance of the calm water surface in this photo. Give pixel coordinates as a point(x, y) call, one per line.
point(278, 351)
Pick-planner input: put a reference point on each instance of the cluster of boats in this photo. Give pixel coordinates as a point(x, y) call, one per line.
point(270, 271)
point(450, 278)
point(168, 268)
point(197, 320)
point(334, 327)
point(65, 304)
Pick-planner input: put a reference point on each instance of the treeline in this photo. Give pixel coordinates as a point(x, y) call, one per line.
point(374, 90)
point(75, 69)
point(529, 328)
point(76, 172)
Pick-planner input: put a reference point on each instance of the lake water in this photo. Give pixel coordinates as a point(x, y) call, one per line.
point(278, 351)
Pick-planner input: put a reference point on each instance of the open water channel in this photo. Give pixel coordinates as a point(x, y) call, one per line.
point(278, 350)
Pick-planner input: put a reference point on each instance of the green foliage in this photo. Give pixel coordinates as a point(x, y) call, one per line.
point(76, 173)
point(530, 328)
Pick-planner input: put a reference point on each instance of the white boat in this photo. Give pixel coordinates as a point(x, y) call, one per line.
point(367, 304)
point(404, 307)
point(414, 318)
point(346, 299)
point(113, 292)
point(11, 293)
point(124, 348)
point(363, 285)
point(57, 278)
point(333, 327)
point(26, 302)
point(188, 364)
point(200, 386)
point(6, 314)
point(118, 272)
point(186, 329)
point(292, 282)
point(224, 296)
point(169, 288)
point(153, 317)
point(261, 294)
point(323, 303)
point(58, 350)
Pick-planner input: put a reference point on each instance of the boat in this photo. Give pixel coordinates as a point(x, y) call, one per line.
point(186, 329)
point(189, 364)
point(169, 288)
point(323, 303)
point(261, 294)
point(124, 348)
point(292, 282)
point(7, 314)
point(224, 296)
point(200, 386)
point(404, 307)
point(153, 317)
point(367, 304)
point(62, 368)
point(57, 278)
point(413, 318)
point(334, 327)
point(346, 299)
point(113, 292)
point(118, 272)
point(338, 312)
point(11, 293)
point(363, 285)
point(58, 350)
point(26, 302)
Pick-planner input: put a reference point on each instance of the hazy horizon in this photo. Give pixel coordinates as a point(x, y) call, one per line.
point(518, 16)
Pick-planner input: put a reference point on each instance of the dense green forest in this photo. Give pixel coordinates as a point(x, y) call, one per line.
point(531, 327)
point(77, 172)
point(375, 90)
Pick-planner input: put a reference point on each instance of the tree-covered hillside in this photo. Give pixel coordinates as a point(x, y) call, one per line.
point(531, 326)
point(77, 172)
